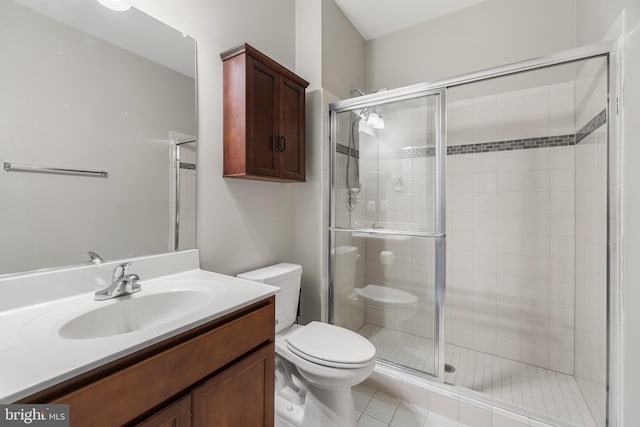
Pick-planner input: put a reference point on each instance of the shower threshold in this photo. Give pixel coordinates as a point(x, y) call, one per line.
point(537, 390)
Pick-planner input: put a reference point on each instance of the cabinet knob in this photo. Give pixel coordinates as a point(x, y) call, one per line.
point(280, 144)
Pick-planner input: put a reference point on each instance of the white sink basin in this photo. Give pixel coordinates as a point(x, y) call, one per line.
point(128, 314)
point(159, 303)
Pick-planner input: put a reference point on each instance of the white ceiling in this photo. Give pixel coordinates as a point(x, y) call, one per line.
point(374, 18)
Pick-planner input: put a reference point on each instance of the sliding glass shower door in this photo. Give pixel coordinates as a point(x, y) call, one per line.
point(386, 225)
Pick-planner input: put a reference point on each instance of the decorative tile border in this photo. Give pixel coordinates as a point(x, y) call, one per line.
point(190, 166)
point(413, 152)
point(592, 125)
point(513, 144)
point(343, 149)
point(487, 147)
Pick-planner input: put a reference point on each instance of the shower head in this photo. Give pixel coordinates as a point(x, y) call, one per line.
point(372, 117)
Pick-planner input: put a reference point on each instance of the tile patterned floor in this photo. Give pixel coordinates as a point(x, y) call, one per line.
point(540, 390)
point(377, 409)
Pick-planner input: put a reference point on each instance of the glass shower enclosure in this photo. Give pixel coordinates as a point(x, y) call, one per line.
point(387, 226)
point(530, 155)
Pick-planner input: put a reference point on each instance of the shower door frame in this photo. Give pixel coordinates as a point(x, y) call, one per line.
point(175, 161)
point(438, 234)
point(611, 51)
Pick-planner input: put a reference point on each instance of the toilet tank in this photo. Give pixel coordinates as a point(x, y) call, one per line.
point(345, 262)
point(286, 277)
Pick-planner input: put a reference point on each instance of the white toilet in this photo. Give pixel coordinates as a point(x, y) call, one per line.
point(316, 364)
point(389, 305)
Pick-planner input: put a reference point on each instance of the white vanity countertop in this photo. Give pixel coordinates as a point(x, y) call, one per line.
point(34, 356)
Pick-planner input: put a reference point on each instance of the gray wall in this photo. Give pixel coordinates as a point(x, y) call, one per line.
point(330, 52)
point(343, 49)
point(491, 33)
point(309, 42)
point(241, 224)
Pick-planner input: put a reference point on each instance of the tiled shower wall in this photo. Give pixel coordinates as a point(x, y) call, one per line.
point(511, 227)
point(397, 168)
point(348, 310)
point(591, 237)
point(397, 193)
point(511, 224)
point(411, 270)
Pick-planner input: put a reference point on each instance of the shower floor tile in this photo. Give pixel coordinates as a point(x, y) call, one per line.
point(530, 387)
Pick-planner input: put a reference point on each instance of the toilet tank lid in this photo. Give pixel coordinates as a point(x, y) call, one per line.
point(272, 273)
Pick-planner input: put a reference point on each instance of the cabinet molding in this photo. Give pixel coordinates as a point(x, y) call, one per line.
point(264, 118)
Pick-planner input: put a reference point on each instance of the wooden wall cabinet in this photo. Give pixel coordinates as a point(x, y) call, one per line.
point(218, 374)
point(264, 118)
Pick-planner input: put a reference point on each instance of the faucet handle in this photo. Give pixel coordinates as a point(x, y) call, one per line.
point(120, 270)
point(94, 258)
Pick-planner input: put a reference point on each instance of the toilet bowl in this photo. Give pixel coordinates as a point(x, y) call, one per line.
point(395, 305)
point(316, 364)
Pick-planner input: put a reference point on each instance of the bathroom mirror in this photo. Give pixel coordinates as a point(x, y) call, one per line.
point(97, 136)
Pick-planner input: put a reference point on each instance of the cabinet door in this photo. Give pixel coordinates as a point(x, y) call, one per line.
point(177, 414)
point(292, 128)
point(242, 395)
point(262, 119)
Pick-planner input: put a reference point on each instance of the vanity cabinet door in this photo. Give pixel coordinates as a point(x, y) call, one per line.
point(177, 414)
point(242, 395)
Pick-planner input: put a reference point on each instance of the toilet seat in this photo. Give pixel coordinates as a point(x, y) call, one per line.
point(331, 345)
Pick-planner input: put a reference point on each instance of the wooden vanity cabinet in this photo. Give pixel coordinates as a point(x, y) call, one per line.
point(218, 374)
point(264, 118)
point(177, 414)
point(242, 395)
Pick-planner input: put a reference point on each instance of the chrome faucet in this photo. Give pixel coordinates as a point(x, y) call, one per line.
point(94, 258)
point(121, 284)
